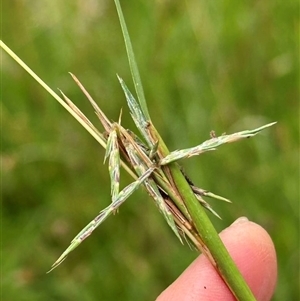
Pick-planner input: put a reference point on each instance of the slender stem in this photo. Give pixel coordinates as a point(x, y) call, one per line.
point(212, 246)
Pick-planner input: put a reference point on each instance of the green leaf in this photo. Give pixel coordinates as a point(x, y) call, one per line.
point(132, 63)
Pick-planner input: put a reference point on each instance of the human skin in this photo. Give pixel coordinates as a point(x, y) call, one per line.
point(253, 251)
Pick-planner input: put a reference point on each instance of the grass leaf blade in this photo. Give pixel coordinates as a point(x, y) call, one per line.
point(132, 62)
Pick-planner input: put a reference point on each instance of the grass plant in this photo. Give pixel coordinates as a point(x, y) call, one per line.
point(147, 159)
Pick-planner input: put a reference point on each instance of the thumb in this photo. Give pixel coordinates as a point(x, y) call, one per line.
point(253, 251)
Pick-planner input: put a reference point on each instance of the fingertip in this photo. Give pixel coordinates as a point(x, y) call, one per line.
point(252, 250)
point(254, 253)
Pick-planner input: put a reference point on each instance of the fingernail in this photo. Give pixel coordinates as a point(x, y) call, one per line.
point(240, 220)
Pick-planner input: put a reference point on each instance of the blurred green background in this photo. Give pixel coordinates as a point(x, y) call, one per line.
point(206, 65)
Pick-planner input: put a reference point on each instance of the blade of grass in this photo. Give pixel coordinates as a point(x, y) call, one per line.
point(132, 63)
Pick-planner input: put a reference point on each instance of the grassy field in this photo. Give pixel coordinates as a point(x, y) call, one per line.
point(223, 66)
